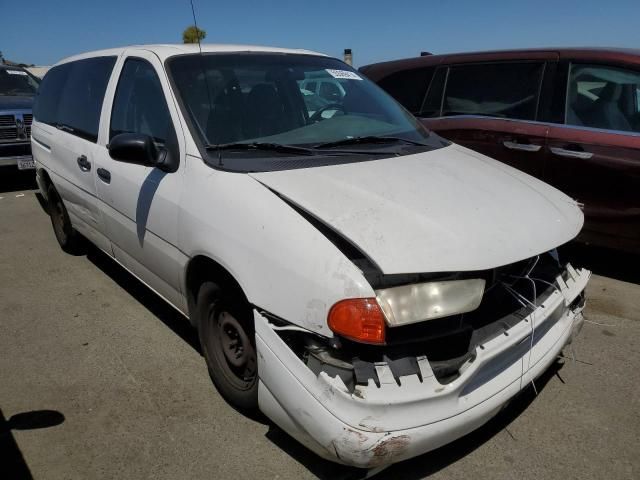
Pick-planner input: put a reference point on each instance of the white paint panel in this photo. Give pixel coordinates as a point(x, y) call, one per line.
point(445, 210)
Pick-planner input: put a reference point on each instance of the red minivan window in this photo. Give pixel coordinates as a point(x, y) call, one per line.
point(603, 97)
point(503, 90)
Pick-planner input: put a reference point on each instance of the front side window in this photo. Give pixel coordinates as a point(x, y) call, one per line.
point(139, 105)
point(603, 97)
point(503, 90)
point(14, 81)
point(253, 98)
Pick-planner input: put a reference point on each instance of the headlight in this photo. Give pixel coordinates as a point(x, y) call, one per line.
point(427, 301)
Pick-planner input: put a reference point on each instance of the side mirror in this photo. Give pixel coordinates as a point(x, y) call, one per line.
point(134, 148)
point(138, 149)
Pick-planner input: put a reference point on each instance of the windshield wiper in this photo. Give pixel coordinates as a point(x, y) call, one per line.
point(368, 139)
point(273, 147)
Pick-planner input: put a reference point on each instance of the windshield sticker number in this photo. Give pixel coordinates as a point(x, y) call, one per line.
point(343, 74)
point(16, 72)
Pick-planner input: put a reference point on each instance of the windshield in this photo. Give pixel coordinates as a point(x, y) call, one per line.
point(17, 82)
point(290, 99)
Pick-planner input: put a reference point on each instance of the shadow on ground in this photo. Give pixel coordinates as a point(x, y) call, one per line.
point(603, 261)
point(13, 463)
point(14, 180)
point(152, 302)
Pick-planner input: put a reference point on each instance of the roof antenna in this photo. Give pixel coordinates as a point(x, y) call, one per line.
point(204, 74)
point(195, 24)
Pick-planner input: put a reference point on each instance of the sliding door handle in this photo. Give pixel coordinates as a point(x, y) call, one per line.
point(83, 163)
point(523, 147)
point(563, 152)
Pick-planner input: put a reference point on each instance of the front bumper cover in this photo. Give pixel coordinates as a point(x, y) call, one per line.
point(376, 426)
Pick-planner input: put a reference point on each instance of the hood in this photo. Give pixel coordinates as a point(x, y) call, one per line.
point(15, 102)
point(450, 209)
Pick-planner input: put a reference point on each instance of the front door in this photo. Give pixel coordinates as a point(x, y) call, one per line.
point(142, 203)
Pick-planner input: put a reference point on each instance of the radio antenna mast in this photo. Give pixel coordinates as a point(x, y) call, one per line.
point(204, 74)
point(195, 24)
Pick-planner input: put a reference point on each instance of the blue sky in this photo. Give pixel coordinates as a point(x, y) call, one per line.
point(43, 32)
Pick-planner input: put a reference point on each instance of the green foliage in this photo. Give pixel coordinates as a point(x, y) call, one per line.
point(192, 34)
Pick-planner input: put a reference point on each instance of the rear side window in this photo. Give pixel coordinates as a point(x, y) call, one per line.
point(408, 87)
point(503, 90)
point(139, 105)
point(603, 97)
point(45, 108)
point(72, 94)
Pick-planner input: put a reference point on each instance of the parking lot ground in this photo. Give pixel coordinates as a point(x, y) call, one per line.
point(99, 378)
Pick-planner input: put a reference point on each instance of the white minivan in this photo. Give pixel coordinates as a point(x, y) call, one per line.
point(375, 290)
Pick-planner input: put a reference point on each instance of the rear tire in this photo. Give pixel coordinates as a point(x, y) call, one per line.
point(227, 337)
point(68, 238)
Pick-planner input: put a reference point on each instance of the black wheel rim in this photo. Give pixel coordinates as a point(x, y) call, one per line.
point(232, 347)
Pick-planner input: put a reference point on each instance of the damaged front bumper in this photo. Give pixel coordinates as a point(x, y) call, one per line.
point(398, 418)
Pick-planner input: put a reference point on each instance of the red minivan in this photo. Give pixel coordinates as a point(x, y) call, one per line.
point(569, 116)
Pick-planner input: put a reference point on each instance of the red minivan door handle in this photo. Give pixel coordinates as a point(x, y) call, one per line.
point(524, 147)
point(563, 152)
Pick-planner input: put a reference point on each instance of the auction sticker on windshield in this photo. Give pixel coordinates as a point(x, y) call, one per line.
point(346, 74)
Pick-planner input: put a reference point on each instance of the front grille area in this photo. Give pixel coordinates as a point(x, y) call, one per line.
point(15, 127)
point(8, 133)
point(7, 121)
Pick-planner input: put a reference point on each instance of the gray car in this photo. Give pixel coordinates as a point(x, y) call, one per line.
point(17, 91)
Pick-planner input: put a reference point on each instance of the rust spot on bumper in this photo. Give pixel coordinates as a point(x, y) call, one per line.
point(390, 448)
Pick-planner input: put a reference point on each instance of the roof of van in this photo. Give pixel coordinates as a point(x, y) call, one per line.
point(631, 55)
point(167, 50)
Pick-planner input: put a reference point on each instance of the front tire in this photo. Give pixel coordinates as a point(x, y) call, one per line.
point(227, 337)
point(68, 238)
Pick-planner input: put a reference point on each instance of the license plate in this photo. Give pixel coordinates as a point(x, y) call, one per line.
point(26, 164)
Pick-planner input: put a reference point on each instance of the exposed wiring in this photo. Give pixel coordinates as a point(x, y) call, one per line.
point(521, 299)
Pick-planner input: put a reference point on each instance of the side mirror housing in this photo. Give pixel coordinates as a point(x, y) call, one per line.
point(140, 149)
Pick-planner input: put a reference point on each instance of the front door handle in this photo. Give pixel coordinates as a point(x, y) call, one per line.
point(105, 175)
point(524, 147)
point(83, 163)
point(563, 152)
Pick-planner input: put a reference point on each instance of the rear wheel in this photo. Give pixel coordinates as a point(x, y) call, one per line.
point(69, 239)
point(227, 336)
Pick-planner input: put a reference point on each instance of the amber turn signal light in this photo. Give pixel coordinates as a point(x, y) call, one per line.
point(359, 319)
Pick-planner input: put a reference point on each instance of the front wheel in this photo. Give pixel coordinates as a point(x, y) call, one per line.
point(227, 336)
